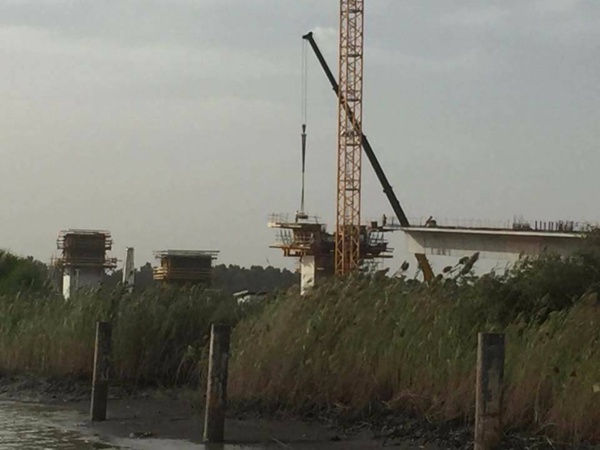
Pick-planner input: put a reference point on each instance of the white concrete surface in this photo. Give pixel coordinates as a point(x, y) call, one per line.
point(129, 269)
point(77, 278)
point(312, 270)
point(308, 273)
point(493, 244)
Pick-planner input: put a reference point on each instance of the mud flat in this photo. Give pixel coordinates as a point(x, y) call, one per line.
point(173, 419)
point(160, 419)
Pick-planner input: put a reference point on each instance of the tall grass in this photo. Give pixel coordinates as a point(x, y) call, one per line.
point(359, 344)
point(159, 335)
point(362, 344)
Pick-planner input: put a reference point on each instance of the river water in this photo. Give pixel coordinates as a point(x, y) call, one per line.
point(38, 427)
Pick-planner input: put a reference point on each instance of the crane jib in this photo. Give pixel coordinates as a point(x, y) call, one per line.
point(387, 187)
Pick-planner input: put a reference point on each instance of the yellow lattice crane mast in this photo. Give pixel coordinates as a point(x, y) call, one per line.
point(347, 243)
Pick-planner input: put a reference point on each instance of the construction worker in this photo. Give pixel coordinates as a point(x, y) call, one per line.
point(430, 222)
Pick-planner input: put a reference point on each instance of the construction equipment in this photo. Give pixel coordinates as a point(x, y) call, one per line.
point(347, 236)
point(387, 188)
point(301, 215)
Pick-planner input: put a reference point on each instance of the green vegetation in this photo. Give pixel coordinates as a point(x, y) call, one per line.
point(229, 278)
point(20, 273)
point(234, 278)
point(362, 345)
point(357, 346)
point(159, 335)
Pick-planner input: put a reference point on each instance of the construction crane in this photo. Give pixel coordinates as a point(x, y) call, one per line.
point(350, 105)
point(385, 184)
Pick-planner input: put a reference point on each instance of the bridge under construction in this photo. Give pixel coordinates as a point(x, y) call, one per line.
point(350, 247)
point(496, 241)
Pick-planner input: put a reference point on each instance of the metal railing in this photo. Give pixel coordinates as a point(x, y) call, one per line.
point(517, 224)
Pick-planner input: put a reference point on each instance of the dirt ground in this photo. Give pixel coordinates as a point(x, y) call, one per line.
point(177, 415)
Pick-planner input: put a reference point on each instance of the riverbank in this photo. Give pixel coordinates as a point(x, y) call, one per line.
point(364, 345)
point(361, 349)
point(176, 415)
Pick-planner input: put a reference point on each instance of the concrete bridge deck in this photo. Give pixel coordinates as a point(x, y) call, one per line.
point(490, 243)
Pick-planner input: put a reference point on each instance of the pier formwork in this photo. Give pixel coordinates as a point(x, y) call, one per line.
point(84, 260)
point(185, 266)
point(308, 240)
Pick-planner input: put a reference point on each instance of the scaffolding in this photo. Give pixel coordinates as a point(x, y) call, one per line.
point(185, 266)
point(83, 261)
point(308, 239)
point(85, 249)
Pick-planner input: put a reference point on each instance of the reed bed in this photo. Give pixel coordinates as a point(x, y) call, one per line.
point(361, 345)
point(159, 335)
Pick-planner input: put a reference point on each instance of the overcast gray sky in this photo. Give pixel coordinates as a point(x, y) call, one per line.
point(175, 123)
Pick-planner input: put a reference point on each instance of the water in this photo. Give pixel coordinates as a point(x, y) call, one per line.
point(29, 427)
point(38, 427)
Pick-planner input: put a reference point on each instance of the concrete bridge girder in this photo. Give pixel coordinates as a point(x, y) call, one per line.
point(492, 244)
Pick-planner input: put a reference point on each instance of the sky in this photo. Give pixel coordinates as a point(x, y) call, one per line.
point(175, 124)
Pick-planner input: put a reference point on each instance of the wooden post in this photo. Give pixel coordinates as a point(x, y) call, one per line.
point(102, 365)
point(216, 389)
point(490, 376)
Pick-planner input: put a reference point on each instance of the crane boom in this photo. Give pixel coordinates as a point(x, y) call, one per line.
point(347, 238)
point(387, 187)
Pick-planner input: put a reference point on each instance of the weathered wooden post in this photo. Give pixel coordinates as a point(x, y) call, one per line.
point(490, 377)
point(216, 389)
point(102, 355)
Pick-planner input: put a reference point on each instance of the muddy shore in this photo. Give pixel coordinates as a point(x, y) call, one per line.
point(177, 414)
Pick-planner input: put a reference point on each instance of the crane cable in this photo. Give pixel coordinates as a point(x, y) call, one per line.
point(304, 100)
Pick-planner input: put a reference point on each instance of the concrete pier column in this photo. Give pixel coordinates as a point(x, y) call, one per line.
point(129, 269)
point(313, 269)
point(70, 283)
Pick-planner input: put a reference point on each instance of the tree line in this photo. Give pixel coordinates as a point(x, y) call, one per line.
point(19, 273)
